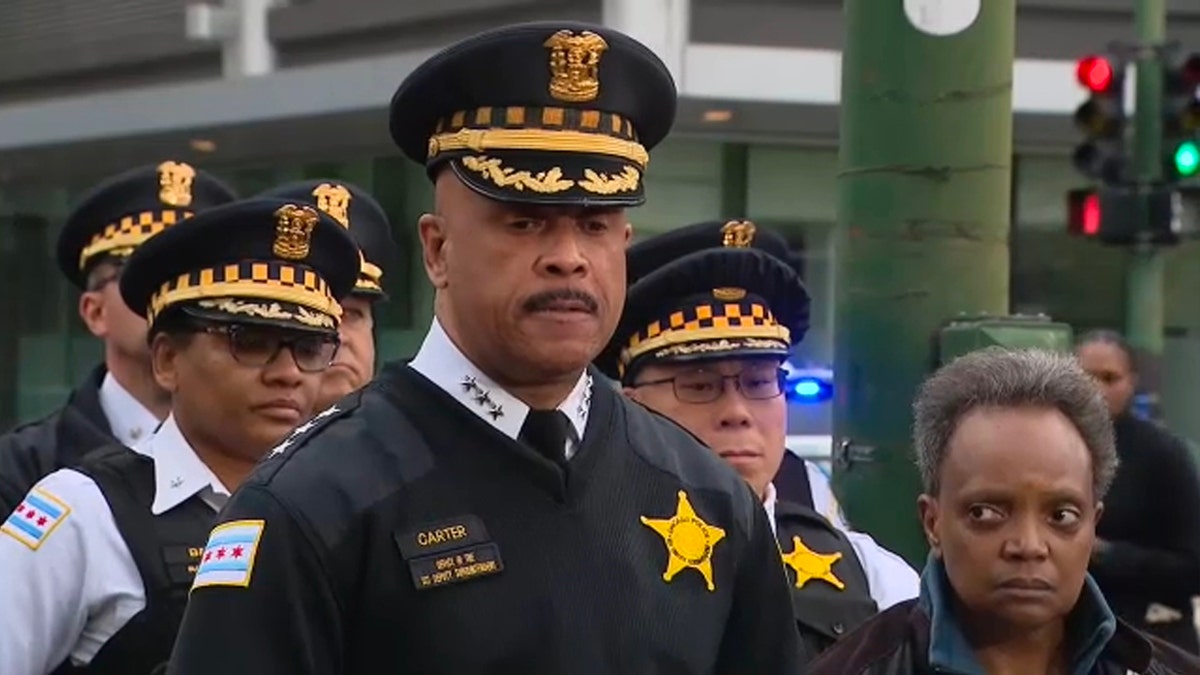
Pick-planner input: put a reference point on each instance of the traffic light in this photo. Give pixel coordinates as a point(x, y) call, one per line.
point(1181, 118)
point(1083, 213)
point(1102, 118)
point(1111, 215)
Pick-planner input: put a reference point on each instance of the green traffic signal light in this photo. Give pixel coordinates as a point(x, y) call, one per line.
point(1187, 159)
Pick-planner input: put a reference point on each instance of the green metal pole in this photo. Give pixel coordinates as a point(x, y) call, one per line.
point(924, 188)
point(1144, 283)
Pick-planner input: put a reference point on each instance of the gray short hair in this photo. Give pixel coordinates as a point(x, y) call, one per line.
point(997, 377)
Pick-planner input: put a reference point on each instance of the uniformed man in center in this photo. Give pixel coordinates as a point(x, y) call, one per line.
point(715, 310)
point(493, 506)
point(358, 212)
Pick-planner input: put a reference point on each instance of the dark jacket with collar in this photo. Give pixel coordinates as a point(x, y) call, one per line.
point(921, 637)
point(34, 450)
point(1151, 525)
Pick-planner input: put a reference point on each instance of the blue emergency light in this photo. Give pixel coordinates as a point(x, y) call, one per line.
point(806, 386)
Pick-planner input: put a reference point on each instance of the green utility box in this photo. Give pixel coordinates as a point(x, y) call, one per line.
point(967, 333)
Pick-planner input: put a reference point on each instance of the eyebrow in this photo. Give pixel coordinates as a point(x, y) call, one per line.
point(989, 494)
point(537, 211)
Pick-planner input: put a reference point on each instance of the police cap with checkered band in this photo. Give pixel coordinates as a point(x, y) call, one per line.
point(259, 261)
point(120, 213)
point(708, 291)
point(554, 113)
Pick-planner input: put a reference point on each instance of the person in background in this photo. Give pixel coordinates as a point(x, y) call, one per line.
point(241, 303)
point(702, 341)
point(1147, 557)
point(120, 400)
point(358, 212)
point(1015, 452)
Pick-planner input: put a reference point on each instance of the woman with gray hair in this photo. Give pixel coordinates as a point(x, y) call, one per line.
point(1015, 451)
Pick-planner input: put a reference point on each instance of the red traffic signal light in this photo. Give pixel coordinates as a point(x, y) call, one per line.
point(1095, 73)
point(1083, 213)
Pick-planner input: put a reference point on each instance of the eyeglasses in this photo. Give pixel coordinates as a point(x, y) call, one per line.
point(257, 348)
point(706, 386)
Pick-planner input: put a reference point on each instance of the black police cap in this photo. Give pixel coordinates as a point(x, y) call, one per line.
point(708, 291)
point(120, 213)
point(358, 211)
point(258, 261)
point(650, 254)
point(557, 113)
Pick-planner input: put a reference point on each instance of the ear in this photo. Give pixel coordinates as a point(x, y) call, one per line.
point(432, 230)
point(631, 393)
point(164, 361)
point(91, 312)
point(1099, 511)
point(929, 512)
point(628, 233)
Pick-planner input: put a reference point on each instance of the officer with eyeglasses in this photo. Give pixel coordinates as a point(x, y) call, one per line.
point(242, 304)
point(713, 311)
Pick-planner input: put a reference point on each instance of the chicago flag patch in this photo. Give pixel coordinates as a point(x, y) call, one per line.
point(35, 518)
point(228, 559)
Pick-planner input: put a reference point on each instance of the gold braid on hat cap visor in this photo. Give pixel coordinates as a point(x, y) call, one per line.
point(370, 277)
point(540, 140)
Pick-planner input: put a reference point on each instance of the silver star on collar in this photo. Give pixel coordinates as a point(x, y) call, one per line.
point(482, 397)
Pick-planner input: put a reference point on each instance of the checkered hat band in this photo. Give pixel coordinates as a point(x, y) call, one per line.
point(722, 315)
point(129, 232)
point(260, 280)
point(518, 117)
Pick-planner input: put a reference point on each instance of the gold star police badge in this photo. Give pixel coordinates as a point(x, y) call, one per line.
point(809, 564)
point(690, 541)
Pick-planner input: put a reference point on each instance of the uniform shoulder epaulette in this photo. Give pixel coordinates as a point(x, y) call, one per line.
point(313, 426)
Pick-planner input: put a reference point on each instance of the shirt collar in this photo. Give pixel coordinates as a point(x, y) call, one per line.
point(129, 420)
point(769, 505)
point(178, 471)
point(1090, 626)
point(442, 363)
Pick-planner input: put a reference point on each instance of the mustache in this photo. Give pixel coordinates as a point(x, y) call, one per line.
point(547, 299)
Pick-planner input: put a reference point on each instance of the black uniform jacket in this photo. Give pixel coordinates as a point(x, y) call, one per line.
point(830, 592)
point(406, 535)
point(1151, 523)
point(896, 642)
point(35, 450)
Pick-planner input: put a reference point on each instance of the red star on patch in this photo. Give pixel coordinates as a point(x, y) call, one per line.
point(42, 521)
point(237, 551)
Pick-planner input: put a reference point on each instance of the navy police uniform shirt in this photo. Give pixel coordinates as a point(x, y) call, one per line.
point(406, 531)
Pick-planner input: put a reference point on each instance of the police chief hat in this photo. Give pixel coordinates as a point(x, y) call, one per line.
point(555, 113)
point(357, 211)
point(708, 291)
point(259, 261)
point(119, 214)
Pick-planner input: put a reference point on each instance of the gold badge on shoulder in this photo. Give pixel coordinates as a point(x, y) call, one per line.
point(690, 541)
point(808, 565)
